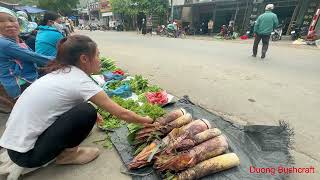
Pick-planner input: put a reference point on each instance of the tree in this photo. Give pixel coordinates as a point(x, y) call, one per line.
point(129, 9)
point(157, 7)
point(61, 6)
point(133, 7)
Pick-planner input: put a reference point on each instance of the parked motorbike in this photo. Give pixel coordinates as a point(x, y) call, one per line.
point(120, 27)
point(162, 30)
point(181, 34)
point(250, 32)
point(189, 30)
point(297, 32)
point(93, 27)
point(276, 35)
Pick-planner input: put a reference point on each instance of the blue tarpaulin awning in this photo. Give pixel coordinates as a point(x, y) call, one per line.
point(30, 9)
point(73, 17)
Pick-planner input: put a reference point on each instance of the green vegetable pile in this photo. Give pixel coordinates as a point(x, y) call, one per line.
point(112, 122)
point(139, 86)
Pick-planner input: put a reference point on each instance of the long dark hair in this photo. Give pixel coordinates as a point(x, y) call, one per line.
point(69, 51)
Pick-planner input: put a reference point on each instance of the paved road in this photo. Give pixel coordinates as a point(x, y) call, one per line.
point(221, 76)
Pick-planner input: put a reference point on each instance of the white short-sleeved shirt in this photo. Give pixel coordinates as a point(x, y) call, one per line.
point(42, 103)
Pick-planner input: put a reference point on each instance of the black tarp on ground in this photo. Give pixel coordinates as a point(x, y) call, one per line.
point(258, 146)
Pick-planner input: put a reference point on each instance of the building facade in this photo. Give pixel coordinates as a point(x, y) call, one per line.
point(197, 13)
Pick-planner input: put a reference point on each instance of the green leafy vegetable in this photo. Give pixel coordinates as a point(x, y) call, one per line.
point(153, 111)
point(154, 88)
point(139, 85)
point(107, 65)
point(113, 85)
point(142, 98)
point(133, 129)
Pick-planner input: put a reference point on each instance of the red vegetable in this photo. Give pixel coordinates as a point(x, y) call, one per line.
point(119, 71)
point(160, 98)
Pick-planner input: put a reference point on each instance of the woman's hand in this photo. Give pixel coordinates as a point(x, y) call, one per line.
point(147, 120)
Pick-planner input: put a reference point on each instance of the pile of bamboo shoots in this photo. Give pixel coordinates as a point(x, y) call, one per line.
point(190, 149)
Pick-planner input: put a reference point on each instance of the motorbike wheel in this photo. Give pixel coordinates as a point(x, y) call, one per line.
point(162, 34)
point(183, 35)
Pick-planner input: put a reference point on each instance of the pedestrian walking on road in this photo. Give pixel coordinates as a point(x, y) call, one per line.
point(144, 27)
point(263, 28)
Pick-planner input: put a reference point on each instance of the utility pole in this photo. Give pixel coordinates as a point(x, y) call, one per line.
point(171, 11)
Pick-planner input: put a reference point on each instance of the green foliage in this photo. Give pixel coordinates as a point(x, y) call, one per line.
point(158, 7)
point(133, 7)
point(60, 6)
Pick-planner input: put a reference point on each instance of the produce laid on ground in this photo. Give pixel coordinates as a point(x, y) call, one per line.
point(175, 144)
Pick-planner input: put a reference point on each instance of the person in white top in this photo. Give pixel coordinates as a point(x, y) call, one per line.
point(53, 116)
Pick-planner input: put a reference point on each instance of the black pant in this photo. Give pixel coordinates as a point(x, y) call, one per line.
point(68, 131)
point(265, 44)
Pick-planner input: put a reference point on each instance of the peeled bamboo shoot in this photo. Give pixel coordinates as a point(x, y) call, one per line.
point(210, 166)
point(181, 121)
point(171, 116)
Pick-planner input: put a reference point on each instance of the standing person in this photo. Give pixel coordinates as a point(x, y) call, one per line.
point(263, 28)
point(230, 29)
point(53, 116)
point(48, 35)
point(210, 27)
point(58, 25)
point(144, 26)
point(149, 24)
point(138, 24)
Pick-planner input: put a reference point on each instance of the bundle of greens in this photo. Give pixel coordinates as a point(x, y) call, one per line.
point(115, 84)
point(107, 65)
point(138, 84)
point(109, 121)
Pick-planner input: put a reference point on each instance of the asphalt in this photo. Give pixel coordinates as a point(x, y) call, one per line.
point(223, 77)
